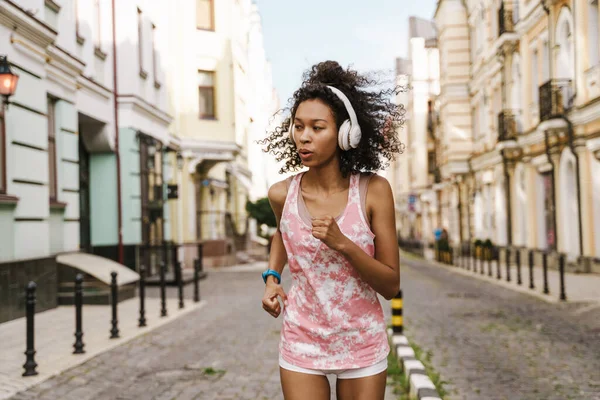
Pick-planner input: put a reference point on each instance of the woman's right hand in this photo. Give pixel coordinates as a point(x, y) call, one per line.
point(269, 302)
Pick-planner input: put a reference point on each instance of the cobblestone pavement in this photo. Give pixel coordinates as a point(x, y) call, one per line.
point(226, 350)
point(494, 343)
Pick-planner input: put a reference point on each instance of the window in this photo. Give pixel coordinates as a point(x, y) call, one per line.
point(51, 10)
point(154, 54)
point(205, 15)
point(140, 27)
point(206, 91)
point(534, 77)
point(98, 24)
point(593, 29)
point(52, 184)
point(2, 154)
point(545, 60)
point(77, 26)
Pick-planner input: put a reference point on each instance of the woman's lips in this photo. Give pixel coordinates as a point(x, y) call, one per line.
point(304, 154)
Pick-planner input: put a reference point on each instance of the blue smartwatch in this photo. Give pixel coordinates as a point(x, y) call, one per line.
point(271, 272)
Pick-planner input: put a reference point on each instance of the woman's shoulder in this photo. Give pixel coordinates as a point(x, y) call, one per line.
point(278, 191)
point(376, 184)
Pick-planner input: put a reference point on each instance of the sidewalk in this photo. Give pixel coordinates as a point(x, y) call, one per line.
point(578, 287)
point(54, 338)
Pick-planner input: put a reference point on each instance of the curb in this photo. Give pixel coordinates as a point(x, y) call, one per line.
point(420, 385)
point(502, 283)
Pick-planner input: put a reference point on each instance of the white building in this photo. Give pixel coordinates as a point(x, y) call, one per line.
point(414, 171)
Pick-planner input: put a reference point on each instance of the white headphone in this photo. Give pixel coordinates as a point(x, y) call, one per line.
point(349, 133)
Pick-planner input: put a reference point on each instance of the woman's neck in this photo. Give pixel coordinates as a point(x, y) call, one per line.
point(326, 179)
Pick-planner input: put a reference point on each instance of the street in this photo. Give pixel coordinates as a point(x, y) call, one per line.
point(494, 343)
point(488, 342)
point(227, 350)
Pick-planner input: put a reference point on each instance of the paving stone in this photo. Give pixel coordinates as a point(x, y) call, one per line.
point(491, 342)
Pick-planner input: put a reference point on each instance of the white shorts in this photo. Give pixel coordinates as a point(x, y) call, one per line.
point(339, 373)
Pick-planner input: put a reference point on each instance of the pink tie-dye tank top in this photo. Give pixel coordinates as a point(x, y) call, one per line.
point(333, 318)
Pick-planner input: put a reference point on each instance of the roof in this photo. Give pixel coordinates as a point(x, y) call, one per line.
point(421, 28)
point(403, 66)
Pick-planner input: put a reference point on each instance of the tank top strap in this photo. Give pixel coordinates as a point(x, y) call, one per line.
point(354, 195)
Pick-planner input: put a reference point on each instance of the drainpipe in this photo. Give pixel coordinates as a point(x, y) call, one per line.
point(117, 152)
point(553, 189)
point(460, 227)
point(508, 197)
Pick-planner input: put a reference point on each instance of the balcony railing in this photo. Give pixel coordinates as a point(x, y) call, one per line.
point(505, 20)
point(509, 125)
point(556, 98)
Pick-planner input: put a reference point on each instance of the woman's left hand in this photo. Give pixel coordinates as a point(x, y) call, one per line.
point(327, 230)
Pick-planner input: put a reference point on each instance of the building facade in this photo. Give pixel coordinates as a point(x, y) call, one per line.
point(219, 47)
point(414, 173)
point(519, 115)
point(129, 135)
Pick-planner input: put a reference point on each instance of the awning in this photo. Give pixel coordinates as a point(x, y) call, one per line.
point(240, 176)
point(98, 267)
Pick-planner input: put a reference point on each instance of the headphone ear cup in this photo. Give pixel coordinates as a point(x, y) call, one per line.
point(343, 135)
point(355, 136)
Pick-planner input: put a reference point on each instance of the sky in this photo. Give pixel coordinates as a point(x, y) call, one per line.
point(367, 35)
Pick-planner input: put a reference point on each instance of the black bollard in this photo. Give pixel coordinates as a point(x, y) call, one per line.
point(78, 322)
point(531, 284)
point(484, 254)
point(179, 283)
point(30, 364)
point(490, 254)
point(507, 264)
point(518, 259)
point(196, 279)
point(114, 331)
point(498, 267)
point(561, 270)
point(545, 268)
point(163, 290)
point(142, 319)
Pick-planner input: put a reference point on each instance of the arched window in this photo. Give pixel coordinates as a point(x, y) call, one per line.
point(565, 57)
point(593, 33)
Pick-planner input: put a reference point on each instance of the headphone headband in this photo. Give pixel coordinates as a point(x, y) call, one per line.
point(347, 103)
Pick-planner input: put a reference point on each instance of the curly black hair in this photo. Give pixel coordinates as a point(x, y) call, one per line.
point(378, 117)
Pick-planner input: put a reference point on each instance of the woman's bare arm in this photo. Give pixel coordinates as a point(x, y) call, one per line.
point(278, 255)
point(382, 271)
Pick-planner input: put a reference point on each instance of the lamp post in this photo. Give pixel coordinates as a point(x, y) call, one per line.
point(8, 80)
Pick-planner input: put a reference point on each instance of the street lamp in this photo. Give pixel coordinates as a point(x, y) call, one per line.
point(8, 80)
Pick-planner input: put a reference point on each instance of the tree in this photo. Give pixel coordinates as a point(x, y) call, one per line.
point(262, 212)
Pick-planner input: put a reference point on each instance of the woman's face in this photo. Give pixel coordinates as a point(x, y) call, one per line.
point(315, 133)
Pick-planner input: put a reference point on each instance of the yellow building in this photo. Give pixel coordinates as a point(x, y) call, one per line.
point(212, 99)
point(519, 126)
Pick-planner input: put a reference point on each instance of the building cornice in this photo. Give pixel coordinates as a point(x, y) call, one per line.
point(525, 24)
point(25, 24)
point(486, 160)
point(142, 106)
point(587, 113)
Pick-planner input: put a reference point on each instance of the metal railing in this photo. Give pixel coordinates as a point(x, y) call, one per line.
point(505, 20)
point(508, 125)
point(556, 98)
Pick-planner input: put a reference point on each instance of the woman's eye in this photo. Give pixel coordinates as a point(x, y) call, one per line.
point(319, 128)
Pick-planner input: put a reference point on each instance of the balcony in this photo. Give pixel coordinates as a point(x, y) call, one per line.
point(505, 21)
point(509, 125)
point(556, 98)
point(592, 82)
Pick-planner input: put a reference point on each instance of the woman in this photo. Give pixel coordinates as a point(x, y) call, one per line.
point(336, 230)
